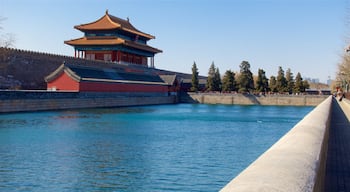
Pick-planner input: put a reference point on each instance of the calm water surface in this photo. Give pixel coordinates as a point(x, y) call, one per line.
point(155, 148)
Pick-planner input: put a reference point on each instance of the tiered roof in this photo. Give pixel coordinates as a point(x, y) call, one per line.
point(111, 41)
point(110, 22)
point(98, 74)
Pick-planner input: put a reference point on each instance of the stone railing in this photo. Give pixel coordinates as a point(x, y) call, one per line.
point(295, 163)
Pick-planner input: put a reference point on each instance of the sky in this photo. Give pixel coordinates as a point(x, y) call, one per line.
point(307, 36)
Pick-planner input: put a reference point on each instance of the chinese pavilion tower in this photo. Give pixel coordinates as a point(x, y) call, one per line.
point(113, 39)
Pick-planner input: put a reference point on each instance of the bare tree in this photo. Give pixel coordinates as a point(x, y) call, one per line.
point(343, 74)
point(6, 39)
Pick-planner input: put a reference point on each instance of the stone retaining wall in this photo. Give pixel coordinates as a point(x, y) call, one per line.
point(295, 163)
point(249, 99)
point(42, 94)
point(24, 101)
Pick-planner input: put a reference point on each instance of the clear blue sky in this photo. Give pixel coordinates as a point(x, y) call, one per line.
point(307, 36)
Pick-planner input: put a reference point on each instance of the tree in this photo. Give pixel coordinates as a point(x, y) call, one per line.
point(290, 81)
point(306, 85)
point(281, 82)
point(262, 84)
point(211, 78)
point(273, 84)
point(246, 81)
point(228, 81)
point(217, 80)
point(195, 82)
point(6, 39)
point(343, 73)
point(298, 86)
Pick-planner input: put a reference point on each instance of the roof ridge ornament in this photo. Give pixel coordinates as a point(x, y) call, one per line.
point(106, 11)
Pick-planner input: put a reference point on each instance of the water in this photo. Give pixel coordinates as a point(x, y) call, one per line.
point(154, 148)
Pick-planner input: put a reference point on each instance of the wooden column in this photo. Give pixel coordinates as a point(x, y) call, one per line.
point(119, 57)
point(152, 62)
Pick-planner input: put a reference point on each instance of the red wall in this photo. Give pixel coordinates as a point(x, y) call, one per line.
point(121, 87)
point(119, 56)
point(63, 82)
point(99, 56)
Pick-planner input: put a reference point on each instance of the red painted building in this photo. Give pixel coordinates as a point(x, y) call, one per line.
point(114, 39)
point(101, 79)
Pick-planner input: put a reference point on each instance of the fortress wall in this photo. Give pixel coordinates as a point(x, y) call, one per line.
point(249, 99)
point(21, 69)
point(27, 69)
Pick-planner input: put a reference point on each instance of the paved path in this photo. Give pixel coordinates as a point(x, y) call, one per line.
point(338, 156)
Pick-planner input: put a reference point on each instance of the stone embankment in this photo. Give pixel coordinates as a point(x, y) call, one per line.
point(296, 162)
point(26, 101)
point(250, 99)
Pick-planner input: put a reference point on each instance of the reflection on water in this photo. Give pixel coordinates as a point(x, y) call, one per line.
point(12, 121)
point(96, 113)
point(154, 148)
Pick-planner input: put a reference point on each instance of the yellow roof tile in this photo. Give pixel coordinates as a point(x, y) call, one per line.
point(110, 22)
point(111, 41)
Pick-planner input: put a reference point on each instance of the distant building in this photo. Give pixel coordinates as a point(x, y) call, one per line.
point(186, 84)
point(329, 82)
point(318, 91)
point(312, 80)
point(113, 39)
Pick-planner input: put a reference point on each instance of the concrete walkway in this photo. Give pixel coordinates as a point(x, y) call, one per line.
point(337, 178)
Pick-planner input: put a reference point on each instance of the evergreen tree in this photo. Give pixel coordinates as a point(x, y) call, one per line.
point(246, 81)
point(273, 84)
point(217, 80)
point(290, 81)
point(228, 81)
point(195, 81)
point(298, 86)
point(281, 82)
point(211, 78)
point(306, 85)
point(262, 84)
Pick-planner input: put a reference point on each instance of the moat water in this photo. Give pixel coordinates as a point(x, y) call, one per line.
point(180, 147)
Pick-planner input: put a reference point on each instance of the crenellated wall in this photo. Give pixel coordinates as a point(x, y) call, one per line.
point(26, 69)
point(21, 69)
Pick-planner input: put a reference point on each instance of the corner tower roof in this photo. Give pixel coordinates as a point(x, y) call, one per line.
point(110, 22)
point(111, 41)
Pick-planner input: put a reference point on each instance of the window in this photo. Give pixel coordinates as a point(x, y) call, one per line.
point(107, 57)
point(90, 56)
